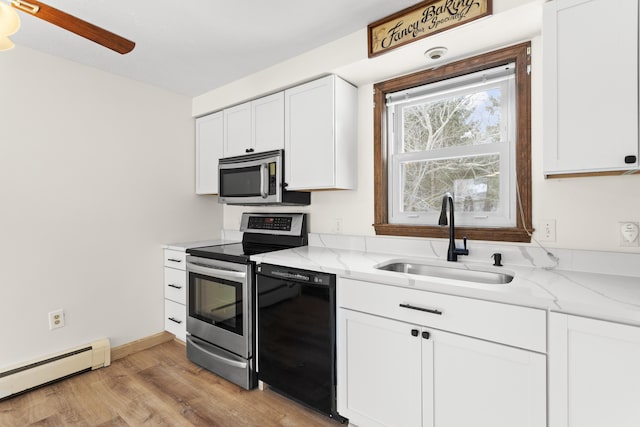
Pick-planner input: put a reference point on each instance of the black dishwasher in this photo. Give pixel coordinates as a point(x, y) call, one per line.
point(296, 335)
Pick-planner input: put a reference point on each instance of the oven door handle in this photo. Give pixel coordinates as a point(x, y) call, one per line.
point(210, 271)
point(225, 360)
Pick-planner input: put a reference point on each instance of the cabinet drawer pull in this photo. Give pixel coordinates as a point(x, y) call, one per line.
point(175, 320)
point(171, 285)
point(428, 310)
point(174, 260)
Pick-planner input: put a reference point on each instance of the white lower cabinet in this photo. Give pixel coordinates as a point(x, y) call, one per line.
point(594, 373)
point(175, 319)
point(398, 373)
point(175, 293)
point(379, 382)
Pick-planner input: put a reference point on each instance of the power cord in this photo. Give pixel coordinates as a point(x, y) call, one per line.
point(550, 254)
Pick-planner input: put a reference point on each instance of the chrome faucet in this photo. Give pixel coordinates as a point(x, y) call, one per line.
point(453, 251)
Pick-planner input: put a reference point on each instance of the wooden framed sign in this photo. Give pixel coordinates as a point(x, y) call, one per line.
point(422, 20)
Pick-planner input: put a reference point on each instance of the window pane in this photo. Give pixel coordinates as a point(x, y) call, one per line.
point(461, 120)
point(473, 180)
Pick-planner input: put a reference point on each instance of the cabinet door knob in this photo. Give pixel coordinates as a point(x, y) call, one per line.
point(249, 150)
point(415, 332)
point(630, 159)
point(426, 335)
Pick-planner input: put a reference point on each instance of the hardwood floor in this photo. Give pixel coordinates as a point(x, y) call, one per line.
point(158, 387)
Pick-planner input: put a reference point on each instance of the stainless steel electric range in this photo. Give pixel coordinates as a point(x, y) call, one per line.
point(221, 292)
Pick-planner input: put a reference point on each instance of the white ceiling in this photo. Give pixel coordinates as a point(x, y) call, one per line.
point(191, 47)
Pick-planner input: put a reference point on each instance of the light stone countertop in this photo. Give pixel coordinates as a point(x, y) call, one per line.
point(189, 245)
point(609, 296)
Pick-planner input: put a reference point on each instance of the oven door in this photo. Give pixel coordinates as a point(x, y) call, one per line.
point(219, 304)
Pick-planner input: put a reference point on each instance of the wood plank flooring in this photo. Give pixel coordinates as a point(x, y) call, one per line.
point(157, 387)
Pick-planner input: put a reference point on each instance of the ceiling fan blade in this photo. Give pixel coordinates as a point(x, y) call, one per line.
point(75, 25)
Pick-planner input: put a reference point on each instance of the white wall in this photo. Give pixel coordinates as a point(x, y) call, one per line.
point(586, 210)
point(96, 173)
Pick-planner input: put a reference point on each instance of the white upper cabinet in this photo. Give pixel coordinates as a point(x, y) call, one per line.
point(315, 123)
point(594, 373)
point(267, 117)
point(254, 126)
point(590, 91)
point(321, 135)
point(209, 148)
point(237, 130)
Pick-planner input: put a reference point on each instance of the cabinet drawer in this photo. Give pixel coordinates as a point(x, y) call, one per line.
point(175, 259)
point(503, 323)
point(175, 285)
point(175, 319)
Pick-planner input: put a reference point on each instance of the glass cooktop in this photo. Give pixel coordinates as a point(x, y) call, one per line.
point(232, 252)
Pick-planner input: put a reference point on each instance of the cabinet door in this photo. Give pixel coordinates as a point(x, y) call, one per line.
point(379, 371)
point(209, 143)
point(268, 123)
point(590, 85)
point(480, 383)
point(594, 373)
point(237, 130)
point(309, 135)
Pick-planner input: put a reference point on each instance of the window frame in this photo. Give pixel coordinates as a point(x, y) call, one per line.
point(519, 54)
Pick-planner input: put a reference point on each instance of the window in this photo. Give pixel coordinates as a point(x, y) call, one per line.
point(464, 129)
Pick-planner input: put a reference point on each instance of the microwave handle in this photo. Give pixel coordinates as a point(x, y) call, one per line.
point(264, 180)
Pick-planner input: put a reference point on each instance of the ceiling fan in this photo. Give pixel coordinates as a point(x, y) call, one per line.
point(10, 22)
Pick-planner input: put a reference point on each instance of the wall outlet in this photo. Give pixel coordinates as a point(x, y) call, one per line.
point(629, 233)
point(548, 230)
point(56, 319)
point(337, 225)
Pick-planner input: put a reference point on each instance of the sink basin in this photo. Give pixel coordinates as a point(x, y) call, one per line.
point(457, 272)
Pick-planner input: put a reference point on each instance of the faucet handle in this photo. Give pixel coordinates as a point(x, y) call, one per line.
point(464, 250)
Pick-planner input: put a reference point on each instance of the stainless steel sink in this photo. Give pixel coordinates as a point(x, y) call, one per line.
point(457, 272)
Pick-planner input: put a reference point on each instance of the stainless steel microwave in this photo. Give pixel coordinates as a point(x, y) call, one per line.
point(256, 179)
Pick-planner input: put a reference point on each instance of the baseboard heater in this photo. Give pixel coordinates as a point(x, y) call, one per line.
point(54, 367)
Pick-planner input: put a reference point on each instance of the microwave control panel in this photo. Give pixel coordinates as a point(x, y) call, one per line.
point(272, 178)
